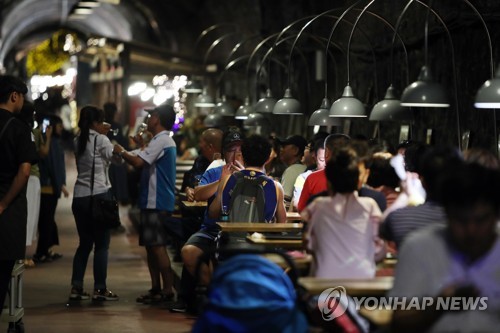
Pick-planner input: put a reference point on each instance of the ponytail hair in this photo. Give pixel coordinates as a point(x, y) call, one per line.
point(88, 115)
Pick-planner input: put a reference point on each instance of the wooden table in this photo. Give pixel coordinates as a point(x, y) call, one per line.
point(259, 227)
point(380, 317)
point(376, 287)
point(190, 204)
point(283, 243)
point(302, 263)
point(293, 216)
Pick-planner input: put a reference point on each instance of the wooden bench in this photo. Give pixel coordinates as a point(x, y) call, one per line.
point(376, 287)
point(180, 169)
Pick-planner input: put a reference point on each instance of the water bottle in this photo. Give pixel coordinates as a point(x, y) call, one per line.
point(225, 214)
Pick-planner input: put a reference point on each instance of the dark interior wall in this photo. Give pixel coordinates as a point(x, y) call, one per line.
point(175, 26)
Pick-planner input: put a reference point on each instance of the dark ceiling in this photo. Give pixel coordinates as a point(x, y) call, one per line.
point(173, 27)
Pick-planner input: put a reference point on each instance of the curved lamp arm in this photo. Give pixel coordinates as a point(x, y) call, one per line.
point(205, 32)
point(453, 63)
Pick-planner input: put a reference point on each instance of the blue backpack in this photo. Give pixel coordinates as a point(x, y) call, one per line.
point(249, 293)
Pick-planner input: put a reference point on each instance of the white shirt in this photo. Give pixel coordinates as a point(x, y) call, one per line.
point(341, 233)
point(298, 186)
point(103, 156)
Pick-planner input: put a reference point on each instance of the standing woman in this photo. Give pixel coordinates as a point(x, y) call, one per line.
point(91, 147)
point(53, 185)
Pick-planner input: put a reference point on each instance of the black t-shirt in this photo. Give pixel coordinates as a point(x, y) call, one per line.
point(17, 146)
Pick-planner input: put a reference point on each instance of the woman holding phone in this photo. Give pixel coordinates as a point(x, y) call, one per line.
point(53, 185)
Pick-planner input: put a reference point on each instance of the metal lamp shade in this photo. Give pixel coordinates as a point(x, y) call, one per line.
point(254, 119)
point(321, 117)
point(224, 108)
point(347, 106)
point(424, 92)
point(204, 100)
point(287, 105)
point(244, 110)
point(488, 96)
point(213, 120)
point(390, 109)
point(266, 104)
point(193, 87)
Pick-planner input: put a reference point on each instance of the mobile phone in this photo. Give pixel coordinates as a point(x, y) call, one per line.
point(45, 124)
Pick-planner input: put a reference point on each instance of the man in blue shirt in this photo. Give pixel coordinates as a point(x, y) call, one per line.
point(256, 151)
point(203, 241)
point(156, 200)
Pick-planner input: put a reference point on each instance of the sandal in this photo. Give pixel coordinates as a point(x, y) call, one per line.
point(154, 297)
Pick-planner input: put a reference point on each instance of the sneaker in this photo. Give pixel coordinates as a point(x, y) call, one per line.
point(54, 255)
point(104, 295)
point(78, 294)
point(41, 258)
point(154, 297)
point(177, 307)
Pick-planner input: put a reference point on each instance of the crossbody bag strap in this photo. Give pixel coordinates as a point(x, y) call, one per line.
point(93, 169)
point(5, 126)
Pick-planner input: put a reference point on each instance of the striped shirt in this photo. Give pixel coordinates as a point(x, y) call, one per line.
point(404, 221)
point(157, 185)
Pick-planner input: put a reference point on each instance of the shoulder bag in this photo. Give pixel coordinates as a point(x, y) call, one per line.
point(104, 211)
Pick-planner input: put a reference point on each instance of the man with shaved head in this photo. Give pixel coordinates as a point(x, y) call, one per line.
point(209, 145)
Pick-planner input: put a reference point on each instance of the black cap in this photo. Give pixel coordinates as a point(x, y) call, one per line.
point(166, 114)
point(232, 137)
point(296, 140)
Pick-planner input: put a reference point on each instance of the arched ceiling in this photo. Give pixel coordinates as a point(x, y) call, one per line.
point(25, 23)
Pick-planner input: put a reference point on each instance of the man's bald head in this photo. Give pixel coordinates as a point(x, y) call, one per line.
point(211, 142)
point(213, 136)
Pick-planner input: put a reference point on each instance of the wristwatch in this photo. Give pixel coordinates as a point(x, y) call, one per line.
point(121, 153)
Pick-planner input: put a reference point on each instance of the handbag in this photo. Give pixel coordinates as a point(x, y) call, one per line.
point(105, 213)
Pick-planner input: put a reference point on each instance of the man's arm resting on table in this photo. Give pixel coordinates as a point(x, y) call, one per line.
point(20, 180)
point(204, 192)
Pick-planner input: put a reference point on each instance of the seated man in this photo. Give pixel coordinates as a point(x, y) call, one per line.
point(316, 181)
point(317, 153)
point(460, 259)
point(209, 147)
point(291, 152)
point(203, 241)
point(256, 151)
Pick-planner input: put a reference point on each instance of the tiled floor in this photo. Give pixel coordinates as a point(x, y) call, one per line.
point(46, 287)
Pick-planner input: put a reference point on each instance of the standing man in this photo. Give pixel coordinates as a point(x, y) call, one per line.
point(18, 153)
point(156, 199)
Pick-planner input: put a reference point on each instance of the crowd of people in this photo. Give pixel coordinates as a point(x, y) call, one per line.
point(436, 209)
